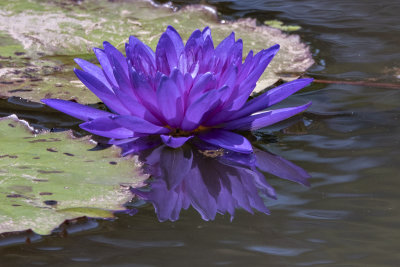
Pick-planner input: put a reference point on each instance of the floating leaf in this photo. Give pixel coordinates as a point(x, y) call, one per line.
point(279, 25)
point(48, 178)
point(42, 66)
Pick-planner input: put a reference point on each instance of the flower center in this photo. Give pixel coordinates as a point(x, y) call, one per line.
point(178, 132)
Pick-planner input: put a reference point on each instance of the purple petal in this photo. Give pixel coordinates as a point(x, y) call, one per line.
point(176, 39)
point(106, 65)
point(263, 186)
point(246, 67)
point(203, 84)
point(222, 50)
point(238, 159)
point(76, 110)
point(106, 127)
point(236, 53)
point(170, 102)
point(96, 71)
point(199, 195)
point(179, 80)
point(139, 125)
point(281, 167)
point(249, 83)
point(174, 142)
point(228, 77)
point(145, 93)
point(264, 119)
point(194, 41)
point(101, 91)
point(175, 165)
point(208, 58)
point(164, 200)
point(135, 108)
point(250, 188)
point(238, 191)
point(123, 81)
point(228, 140)
point(198, 110)
point(115, 57)
point(166, 54)
point(133, 41)
point(271, 97)
point(141, 56)
point(206, 33)
point(225, 201)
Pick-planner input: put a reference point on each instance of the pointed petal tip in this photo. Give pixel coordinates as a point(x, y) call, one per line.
point(45, 100)
point(271, 51)
point(276, 46)
point(106, 43)
point(77, 60)
point(170, 27)
point(305, 81)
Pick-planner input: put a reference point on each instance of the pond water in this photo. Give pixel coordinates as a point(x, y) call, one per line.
point(349, 143)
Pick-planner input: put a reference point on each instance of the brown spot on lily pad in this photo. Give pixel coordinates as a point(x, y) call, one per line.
point(8, 156)
point(45, 193)
point(50, 202)
point(20, 90)
point(45, 140)
point(40, 180)
point(113, 163)
point(23, 167)
point(50, 149)
point(11, 125)
point(36, 158)
point(47, 172)
point(69, 154)
point(14, 195)
point(38, 141)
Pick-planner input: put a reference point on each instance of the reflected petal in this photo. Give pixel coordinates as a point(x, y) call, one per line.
point(281, 167)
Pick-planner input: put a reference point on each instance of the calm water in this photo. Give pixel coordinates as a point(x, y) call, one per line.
point(351, 214)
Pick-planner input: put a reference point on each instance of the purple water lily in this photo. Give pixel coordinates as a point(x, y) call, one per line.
point(179, 92)
point(211, 181)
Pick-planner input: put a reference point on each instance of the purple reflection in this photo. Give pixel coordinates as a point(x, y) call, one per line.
point(211, 180)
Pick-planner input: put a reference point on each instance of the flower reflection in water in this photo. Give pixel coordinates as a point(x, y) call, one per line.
point(211, 181)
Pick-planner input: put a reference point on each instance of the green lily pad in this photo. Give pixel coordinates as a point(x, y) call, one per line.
point(279, 25)
point(36, 53)
point(48, 178)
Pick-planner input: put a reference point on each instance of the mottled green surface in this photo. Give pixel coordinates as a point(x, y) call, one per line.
point(39, 39)
point(48, 178)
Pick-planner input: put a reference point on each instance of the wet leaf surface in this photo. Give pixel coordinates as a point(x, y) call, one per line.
point(48, 178)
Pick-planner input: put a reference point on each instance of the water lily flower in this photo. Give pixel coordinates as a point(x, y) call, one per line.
point(179, 92)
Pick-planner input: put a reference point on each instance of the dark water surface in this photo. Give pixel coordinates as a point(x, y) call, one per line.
point(351, 214)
